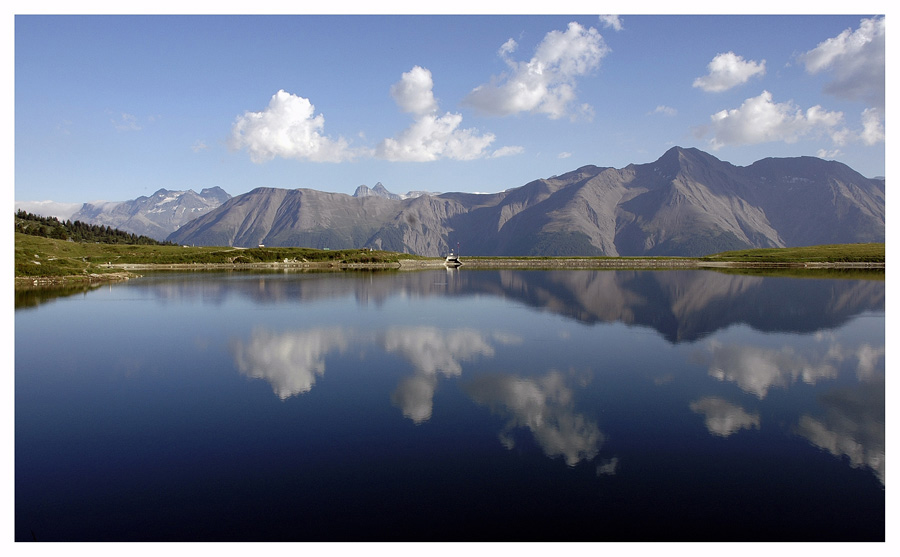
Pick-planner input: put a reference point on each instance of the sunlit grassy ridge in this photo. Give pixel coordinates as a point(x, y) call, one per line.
point(44, 257)
point(836, 253)
point(36, 256)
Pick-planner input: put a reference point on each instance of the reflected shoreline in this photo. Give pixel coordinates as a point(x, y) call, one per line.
point(683, 305)
point(860, 270)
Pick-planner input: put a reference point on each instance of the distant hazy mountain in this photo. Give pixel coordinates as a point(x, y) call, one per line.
point(685, 203)
point(156, 216)
point(380, 191)
point(61, 211)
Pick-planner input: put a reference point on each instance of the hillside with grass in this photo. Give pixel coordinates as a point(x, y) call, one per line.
point(832, 253)
point(46, 247)
point(37, 256)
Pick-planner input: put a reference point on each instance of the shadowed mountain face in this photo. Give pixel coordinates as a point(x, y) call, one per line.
point(155, 216)
point(685, 203)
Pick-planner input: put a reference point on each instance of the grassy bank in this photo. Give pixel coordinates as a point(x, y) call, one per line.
point(39, 258)
point(835, 253)
point(36, 256)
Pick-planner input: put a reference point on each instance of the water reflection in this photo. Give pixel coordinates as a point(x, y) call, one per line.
point(543, 405)
point(683, 306)
point(679, 305)
point(432, 352)
point(756, 405)
point(608, 467)
point(852, 426)
point(724, 418)
point(757, 369)
point(289, 361)
point(32, 297)
point(851, 422)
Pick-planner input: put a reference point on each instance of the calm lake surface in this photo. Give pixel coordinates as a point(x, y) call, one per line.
point(453, 405)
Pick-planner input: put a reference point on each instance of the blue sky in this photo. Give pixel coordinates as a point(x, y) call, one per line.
point(115, 107)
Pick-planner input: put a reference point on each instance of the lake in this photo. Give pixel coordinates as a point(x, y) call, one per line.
point(453, 405)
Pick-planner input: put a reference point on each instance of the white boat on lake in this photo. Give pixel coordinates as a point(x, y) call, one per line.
point(452, 260)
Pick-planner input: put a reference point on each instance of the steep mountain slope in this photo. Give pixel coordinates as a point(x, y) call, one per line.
point(689, 203)
point(811, 201)
point(280, 217)
point(685, 203)
point(155, 216)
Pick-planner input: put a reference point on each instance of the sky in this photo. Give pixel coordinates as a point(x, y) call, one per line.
point(115, 107)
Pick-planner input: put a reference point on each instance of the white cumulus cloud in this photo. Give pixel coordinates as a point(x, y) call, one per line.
point(287, 128)
point(430, 137)
point(729, 70)
point(546, 83)
point(856, 60)
point(873, 126)
point(613, 22)
point(665, 110)
point(507, 151)
point(760, 120)
point(413, 93)
point(433, 137)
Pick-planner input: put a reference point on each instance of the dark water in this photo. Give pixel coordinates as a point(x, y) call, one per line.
point(453, 405)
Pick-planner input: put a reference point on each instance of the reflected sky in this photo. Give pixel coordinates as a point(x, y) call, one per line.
point(432, 353)
point(289, 361)
point(852, 425)
point(616, 386)
point(541, 401)
point(757, 369)
point(544, 406)
point(723, 418)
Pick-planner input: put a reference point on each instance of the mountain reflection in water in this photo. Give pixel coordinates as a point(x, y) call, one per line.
point(682, 306)
point(454, 405)
point(678, 304)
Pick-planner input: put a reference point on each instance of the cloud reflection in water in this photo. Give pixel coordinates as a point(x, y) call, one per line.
point(289, 361)
point(756, 369)
point(853, 425)
point(723, 418)
point(433, 352)
point(543, 405)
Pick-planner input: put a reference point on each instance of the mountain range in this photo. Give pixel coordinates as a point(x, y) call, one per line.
point(380, 191)
point(687, 203)
point(155, 216)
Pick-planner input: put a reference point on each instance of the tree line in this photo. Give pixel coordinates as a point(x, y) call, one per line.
point(51, 227)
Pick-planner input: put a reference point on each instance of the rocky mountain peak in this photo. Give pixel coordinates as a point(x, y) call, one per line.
point(377, 191)
point(157, 215)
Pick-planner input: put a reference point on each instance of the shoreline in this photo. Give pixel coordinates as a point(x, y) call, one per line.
point(126, 271)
